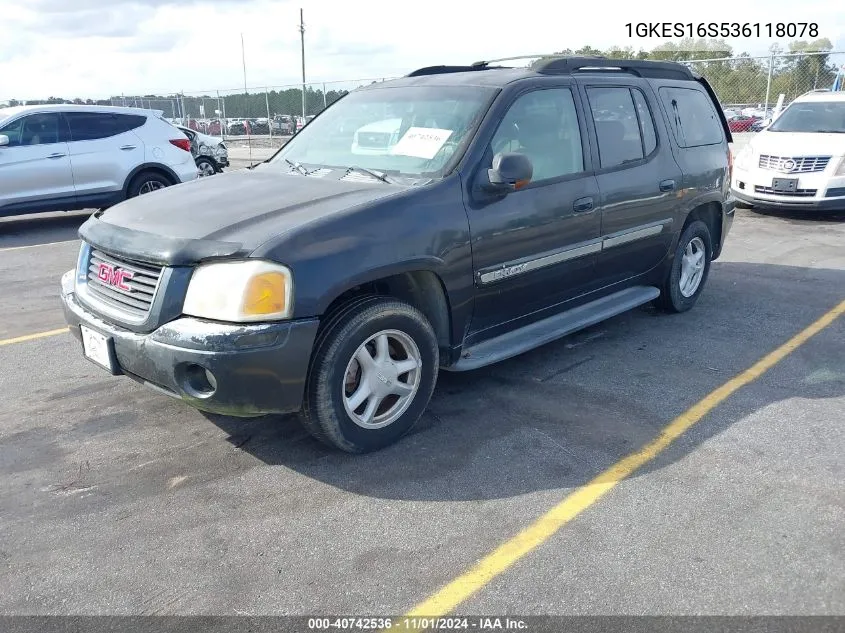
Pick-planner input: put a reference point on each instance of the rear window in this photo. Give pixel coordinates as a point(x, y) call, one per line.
point(88, 126)
point(693, 119)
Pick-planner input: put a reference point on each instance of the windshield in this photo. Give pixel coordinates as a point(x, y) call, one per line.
point(811, 116)
point(413, 132)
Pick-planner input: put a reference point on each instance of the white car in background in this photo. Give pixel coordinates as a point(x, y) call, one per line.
point(210, 153)
point(66, 157)
point(797, 162)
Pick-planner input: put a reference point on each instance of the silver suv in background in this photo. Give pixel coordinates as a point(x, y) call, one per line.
point(66, 157)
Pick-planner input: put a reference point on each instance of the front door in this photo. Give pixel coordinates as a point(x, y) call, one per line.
point(35, 172)
point(535, 247)
point(639, 183)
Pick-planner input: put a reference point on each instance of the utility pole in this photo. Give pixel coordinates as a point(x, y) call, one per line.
point(302, 39)
point(246, 98)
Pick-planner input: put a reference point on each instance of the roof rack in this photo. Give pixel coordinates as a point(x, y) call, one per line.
point(439, 70)
point(482, 65)
point(563, 65)
point(639, 67)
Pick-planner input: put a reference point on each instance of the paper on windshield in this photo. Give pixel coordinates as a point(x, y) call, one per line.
point(421, 142)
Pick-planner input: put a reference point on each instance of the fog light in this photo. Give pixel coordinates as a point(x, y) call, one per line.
point(198, 381)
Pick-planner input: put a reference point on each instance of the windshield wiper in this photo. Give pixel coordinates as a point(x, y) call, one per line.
point(369, 172)
point(830, 131)
point(297, 167)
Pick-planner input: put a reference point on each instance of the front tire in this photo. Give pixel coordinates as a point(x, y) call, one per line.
point(690, 268)
point(372, 375)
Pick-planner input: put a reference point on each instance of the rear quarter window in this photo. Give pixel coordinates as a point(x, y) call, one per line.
point(88, 126)
point(692, 117)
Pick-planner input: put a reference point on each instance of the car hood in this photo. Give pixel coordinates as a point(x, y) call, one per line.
point(230, 214)
point(798, 144)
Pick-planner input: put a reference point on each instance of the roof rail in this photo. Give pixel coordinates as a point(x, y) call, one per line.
point(439, 70)
point(639, 67)
point(511, 59)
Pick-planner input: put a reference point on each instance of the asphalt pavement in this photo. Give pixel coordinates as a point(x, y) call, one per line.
point(119, 500)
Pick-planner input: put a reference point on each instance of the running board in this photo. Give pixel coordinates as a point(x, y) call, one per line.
point(530, 336)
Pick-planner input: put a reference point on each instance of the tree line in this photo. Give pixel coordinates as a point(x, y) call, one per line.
point(799, 67)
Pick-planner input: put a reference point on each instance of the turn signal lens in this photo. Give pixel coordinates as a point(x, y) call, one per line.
point(265, 294)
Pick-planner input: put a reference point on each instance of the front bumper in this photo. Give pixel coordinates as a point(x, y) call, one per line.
point(816, 191)
point(254, 369)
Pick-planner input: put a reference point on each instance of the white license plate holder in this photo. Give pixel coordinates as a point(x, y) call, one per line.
point(99, 349)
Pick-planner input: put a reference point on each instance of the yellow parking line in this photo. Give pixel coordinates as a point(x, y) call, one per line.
point(20, 248)
point(31, 337)
point(541, 530)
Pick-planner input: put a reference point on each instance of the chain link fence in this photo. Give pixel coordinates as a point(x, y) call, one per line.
point(758, 82)
point(277, 111)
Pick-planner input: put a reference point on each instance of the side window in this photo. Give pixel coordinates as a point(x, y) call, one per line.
point(617, 126)
point(14, 131)
point(646, 122)
point(543, 125)
point(693, 120)
point(126, 122)
point(35, 129)
point(89, 126)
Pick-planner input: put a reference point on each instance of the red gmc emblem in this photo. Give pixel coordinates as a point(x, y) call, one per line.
point(116, 277)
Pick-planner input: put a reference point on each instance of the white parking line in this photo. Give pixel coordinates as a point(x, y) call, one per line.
point(18, 248)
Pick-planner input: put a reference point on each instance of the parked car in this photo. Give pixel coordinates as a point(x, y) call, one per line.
point(65, 157)
point(760, 124)
point(741, 123)
point(210, 153)
point(798, 161)
point(338, 284)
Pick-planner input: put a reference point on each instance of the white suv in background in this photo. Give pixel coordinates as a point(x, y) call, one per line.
point(66, 157)
point(797, 162)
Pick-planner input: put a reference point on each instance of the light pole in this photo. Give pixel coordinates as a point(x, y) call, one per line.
point(302, 40)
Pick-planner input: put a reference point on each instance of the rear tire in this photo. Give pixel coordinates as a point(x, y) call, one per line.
point(371, 376)
point(690, 268)
point(147, 182)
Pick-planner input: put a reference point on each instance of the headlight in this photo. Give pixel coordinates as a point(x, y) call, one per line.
point(744, 157)
point(220, 150)
point(840, 171)
point(237, 291)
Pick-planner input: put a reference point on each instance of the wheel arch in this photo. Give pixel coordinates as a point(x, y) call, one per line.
point(422, 288)
point(711, 213)
point(158, 168)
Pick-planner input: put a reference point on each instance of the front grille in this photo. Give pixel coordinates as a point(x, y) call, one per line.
point(802, 164)
point(376, 140)
point(128, 296)
point(798, 193)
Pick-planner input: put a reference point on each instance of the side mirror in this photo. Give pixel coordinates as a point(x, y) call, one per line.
point(510, 171)
point(4, 140)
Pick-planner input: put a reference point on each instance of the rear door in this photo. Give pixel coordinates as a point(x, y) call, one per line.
point(35, 172)
point(103, 150)
point(638, 178)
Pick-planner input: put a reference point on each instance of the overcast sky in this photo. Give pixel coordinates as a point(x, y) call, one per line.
point(100, 48)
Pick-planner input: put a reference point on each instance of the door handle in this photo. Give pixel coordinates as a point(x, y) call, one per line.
point(127, 147)
point(582, 204)
point(56, 155)
point(667, 185)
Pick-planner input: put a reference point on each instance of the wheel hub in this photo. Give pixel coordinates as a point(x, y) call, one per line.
point(381, 379)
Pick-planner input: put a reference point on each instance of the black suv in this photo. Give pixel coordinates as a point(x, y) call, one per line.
point(450, 219)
